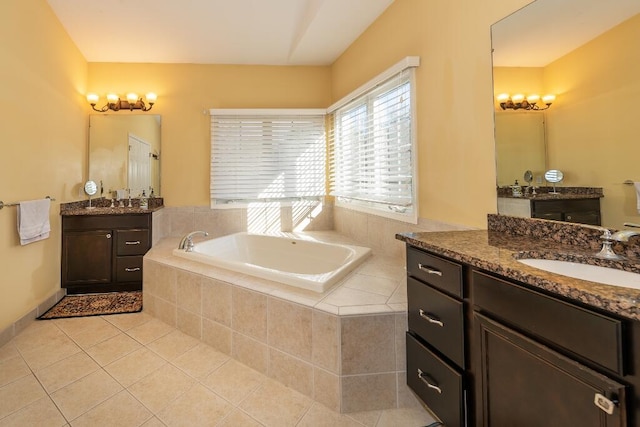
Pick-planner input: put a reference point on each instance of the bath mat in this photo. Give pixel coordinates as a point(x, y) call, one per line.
point(95, 305)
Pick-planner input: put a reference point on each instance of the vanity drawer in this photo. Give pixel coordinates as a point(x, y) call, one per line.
point(442, 274)
point(583, 332)
point(438, 385)
point(129, 269)
point(132, 242)
point(437, 318)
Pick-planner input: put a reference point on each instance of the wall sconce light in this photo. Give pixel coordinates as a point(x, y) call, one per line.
point(114, 103)
point(519, 101)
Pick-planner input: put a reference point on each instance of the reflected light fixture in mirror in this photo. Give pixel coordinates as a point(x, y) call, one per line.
point(114, 103)
point(521, 102)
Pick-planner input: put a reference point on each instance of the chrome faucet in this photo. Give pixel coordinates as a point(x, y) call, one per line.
point(187, 241)
point(624, 235)
point(608, 238)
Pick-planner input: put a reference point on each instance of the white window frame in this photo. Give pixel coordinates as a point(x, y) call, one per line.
point(252, 113)
point(407, 65)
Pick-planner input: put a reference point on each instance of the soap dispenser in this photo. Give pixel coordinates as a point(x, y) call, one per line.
point(516, 189)
point(144, 202)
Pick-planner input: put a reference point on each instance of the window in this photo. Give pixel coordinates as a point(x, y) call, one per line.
point(267, 156)
point(372, 147)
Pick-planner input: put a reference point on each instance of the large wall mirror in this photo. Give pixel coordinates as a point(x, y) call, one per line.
point(585, 52)
point(124, 153)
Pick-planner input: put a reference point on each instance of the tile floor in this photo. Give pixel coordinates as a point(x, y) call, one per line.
point(134, 370)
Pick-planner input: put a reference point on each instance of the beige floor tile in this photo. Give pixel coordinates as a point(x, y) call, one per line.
point(58, 348)
point(149, 331)
point(41, 413)
point(320, 416)
point(135, 366)
point(154, 422)
point(84, 394)
point(66, 371)
point(18, 394)
point(276, 405)
point(35, 335)
point(197, 407)
point(75, 325)
point(127, 321)
point(119, 410)
point(237, 418)
point(173, 345)
point(8, 351)
point(13, 369)
point(113, 349)
point(367, 418)
point(160, 388)
point(234, 381)
point(200, 361)
point(409, 417)
point(95, 334)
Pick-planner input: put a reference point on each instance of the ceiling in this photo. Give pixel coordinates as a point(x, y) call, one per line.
point(268, 32)
point(546, 30)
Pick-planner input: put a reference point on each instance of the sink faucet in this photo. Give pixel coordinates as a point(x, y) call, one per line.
point(607, 251)
point(187, 241)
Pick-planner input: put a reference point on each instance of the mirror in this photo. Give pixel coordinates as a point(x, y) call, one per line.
point(580, 51)
point(124, 152)
point(90, 188)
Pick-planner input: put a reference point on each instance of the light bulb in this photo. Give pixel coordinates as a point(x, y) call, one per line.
point(132, 98)
point(93, 98)
point(532, 99)
point(112, 98)
point(517, 98)
point(502, 97)
point(151, 97)
point(548, 99)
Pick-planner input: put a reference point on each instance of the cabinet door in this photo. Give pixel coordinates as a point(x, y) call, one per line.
point(525, 384)
point(86, 257)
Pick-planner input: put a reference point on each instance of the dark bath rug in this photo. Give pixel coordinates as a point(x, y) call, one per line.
point(95, 305)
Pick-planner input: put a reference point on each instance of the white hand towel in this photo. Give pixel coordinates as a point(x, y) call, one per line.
point(637, 187)
point(33, 220)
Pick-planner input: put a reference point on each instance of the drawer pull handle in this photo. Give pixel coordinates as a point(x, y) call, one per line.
point(428, 381)
point(429, 270)
point(129, 270)
point(136, 242)
point(430, 319)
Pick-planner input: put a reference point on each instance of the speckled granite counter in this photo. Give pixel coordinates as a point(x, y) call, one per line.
point(497, 252)
point(102, 206)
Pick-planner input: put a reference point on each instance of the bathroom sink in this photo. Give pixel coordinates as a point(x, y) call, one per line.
point(593, 273)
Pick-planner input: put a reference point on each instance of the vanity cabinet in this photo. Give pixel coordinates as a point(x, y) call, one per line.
point(103, 253)
point(543, 361)
point(436, 345)
point(583, 211)
point(485, 350)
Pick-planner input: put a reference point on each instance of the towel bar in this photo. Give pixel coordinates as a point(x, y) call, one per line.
point(628, 182)
point(3, 204)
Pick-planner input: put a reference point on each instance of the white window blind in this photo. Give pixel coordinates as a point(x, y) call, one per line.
point(372, 150)
point(267, 155)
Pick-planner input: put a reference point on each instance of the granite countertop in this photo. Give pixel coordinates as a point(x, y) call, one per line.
point(549, 196)
point(497, 252)
point(107, 211)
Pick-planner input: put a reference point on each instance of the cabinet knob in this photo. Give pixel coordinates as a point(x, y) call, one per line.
point(108, 236)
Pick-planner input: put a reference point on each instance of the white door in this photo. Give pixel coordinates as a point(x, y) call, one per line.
point(139, 167)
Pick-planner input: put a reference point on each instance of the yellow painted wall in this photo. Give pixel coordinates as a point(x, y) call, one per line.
point(186, 91)
point(456, 152)
point(42, 144)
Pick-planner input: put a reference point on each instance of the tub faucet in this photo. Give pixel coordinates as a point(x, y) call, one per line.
point(187, 241)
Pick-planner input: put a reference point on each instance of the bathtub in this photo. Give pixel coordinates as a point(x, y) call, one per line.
point(295, 259)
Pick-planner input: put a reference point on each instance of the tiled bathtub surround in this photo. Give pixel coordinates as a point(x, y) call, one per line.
point(343, 348)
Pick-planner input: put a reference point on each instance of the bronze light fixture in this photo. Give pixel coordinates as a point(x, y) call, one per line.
point(131, 102)
point(521, 102)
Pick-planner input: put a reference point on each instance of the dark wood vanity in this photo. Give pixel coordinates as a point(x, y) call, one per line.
point(103, 253)
point(484, 349)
